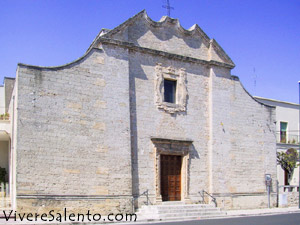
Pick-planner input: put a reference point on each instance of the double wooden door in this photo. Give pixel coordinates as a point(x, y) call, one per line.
point(170, 177)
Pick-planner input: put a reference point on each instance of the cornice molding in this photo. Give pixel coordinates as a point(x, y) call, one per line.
point(131, 46)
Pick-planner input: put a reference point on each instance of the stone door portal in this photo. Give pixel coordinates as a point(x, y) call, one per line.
point(171, 177)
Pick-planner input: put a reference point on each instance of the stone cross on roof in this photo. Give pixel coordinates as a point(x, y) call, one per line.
point(168, 7)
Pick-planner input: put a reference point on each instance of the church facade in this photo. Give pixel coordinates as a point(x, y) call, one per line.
point(151, 107)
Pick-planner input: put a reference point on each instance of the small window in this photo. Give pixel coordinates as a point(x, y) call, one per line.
point(283, 129)
point(170, 91)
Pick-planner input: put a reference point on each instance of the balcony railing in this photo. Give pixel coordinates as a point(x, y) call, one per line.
point(288, 138)
point(288, 188)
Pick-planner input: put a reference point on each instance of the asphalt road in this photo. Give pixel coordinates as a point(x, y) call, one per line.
point(283, 219)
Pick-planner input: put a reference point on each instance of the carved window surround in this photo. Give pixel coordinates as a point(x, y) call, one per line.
point(178, 75)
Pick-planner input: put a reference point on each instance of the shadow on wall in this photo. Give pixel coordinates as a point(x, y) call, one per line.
point(168, 30)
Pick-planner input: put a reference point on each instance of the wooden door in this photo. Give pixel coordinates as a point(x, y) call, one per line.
point(170, 177)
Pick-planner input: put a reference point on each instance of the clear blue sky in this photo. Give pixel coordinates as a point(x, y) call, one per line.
point(262, 37)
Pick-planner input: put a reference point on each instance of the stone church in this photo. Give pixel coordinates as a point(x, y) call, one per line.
point(151, 107)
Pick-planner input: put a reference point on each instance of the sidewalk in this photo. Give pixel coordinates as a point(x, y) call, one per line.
point(230, 214)
point(259, 212)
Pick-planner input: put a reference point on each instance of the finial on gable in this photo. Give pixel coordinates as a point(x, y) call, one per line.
point(168, 7)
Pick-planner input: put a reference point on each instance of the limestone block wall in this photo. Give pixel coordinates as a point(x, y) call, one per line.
point(73, 138)
point(149, 121)
point(169, 39)
point(232, 135)
point(243, 144)
point(85, 130)
point(291, 199)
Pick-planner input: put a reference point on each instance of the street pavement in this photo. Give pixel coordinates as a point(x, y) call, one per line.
point(282, 219)
point(273, 216)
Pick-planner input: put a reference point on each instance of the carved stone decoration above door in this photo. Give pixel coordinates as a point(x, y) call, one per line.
point(173, 74)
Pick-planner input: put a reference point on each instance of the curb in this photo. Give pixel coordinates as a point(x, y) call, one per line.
point(229, 214)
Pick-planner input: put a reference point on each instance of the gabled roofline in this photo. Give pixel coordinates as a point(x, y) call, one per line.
point(274, 100)
point(220, 50)
point(10, 78)
point(104, 36)
point(116, 29)
point(4, 78)
point(61, 66)
point(233, 77)
point(165, 19)
point(104, 33)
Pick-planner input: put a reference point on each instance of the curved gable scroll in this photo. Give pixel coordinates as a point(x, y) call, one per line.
point(166, 35)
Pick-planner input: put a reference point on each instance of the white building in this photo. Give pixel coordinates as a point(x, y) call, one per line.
point(5, 144)
point(287, 133)
point(2, 103)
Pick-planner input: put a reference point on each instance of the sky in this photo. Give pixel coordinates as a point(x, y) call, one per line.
point(262, 37)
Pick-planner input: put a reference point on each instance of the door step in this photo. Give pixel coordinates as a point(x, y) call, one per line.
point(178, 211)
point(173, 203)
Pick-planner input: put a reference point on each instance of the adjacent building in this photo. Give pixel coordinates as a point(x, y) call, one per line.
point(6, 152)
point(287, 135)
